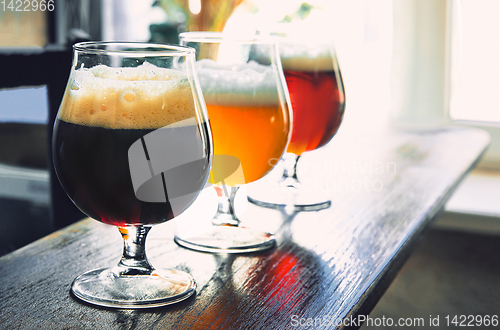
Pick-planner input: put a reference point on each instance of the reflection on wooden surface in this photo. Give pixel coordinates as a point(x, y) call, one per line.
point(328, 265)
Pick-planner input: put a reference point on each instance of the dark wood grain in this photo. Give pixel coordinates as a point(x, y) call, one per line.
point(329, 265)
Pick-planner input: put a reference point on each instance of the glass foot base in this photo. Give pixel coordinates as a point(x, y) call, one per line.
point(228, 239)
point(270, 195)
point(112, 287)
point(293, 207)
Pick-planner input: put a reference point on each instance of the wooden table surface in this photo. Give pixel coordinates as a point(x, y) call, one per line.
point(329, 266)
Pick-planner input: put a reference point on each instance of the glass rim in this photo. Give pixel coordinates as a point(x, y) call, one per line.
point(217, 37)
point(138, 48)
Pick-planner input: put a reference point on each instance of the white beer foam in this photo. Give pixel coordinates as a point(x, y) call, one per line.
point(145, 71)
point(249, 84)
point(145, 97)
point(303, 57)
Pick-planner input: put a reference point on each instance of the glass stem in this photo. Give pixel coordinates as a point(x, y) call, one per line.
point(289, 178)
point(134, 261)
point(225, 212)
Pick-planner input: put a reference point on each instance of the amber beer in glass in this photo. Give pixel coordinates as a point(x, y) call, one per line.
point(247, 103)
point(132, 148)
point(255, 134)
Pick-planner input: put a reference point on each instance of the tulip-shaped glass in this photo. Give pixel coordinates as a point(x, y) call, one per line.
point(247, 102)
point(317, 98)
point(132, 148)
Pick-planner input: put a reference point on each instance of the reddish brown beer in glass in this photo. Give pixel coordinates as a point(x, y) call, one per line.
point(318, 101)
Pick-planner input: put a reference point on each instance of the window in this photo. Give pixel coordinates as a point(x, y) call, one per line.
point(474, 70)
point(475, 41)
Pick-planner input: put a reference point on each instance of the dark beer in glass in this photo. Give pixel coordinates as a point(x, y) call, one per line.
point(132, 148)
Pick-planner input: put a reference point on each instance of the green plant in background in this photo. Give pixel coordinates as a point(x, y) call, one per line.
point(212, 15)
point(300, 14)
point(199, 15)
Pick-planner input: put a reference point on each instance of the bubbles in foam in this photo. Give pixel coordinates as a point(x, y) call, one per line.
point(250, 84)
point(145, 71)
point(129, 97)
point(183, 123)
point(145, 97)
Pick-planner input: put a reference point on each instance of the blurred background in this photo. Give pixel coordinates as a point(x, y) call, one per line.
point(418, 64)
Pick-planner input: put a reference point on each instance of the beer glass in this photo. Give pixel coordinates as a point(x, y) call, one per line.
point(132, 148)
point(317, 97)
point(247, 103)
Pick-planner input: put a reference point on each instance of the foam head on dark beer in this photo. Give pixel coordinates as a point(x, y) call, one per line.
point(145, 97)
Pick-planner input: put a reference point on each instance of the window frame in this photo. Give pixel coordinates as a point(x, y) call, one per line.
point(422, 81)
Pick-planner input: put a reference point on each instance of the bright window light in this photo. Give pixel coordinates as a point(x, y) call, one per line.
point(475, 79)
